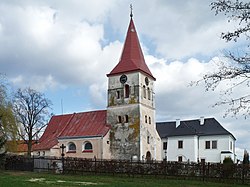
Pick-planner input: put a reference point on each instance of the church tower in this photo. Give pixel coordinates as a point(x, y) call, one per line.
point(131, 104)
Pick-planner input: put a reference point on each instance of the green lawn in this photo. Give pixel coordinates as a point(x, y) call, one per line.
point(30, 179)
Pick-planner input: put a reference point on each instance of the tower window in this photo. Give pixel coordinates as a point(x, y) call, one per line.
point(148, 139)
point(126, 118)
point(146, 119)
point(127, 91)
point(149, 120)
point(119, 119)
point(149, 95)
point(144, 91)
point(118, 94)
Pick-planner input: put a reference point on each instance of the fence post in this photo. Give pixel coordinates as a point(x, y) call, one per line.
point(243, 173)
point(203, 171)
point(95, 164)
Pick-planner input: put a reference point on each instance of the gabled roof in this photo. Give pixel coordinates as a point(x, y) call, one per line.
point(132, 58)
point(82, 124)
point(191, 127)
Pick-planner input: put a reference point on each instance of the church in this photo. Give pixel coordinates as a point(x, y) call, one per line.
point(127, 129)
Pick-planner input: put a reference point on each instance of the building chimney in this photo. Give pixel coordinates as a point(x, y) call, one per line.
point(178, 122)
point(202, 120)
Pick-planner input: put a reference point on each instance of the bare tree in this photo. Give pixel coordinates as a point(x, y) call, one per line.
point(234, 67)
point(32, 113)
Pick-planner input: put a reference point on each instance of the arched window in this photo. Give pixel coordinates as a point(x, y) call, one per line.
point(149, 95)
point(144, 91)
point(149, 120)
point(119, 119)
point(71, 147)
point(126, 118)
point(146, 119)
point(87, 147)
point(127, 92)
point(118, 95)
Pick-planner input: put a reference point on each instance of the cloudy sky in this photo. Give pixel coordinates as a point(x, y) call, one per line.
point(65, 49)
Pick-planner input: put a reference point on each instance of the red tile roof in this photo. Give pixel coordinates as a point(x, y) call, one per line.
point(132, 58)
point(82, 124)
point(19, 146)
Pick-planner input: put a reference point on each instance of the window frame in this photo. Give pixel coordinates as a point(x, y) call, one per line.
point(119, 119)
point(180, 159)
point(207, 145)
point(214, 144)
point(149, 93)
point(69, 147)
point(144, 92)
point(165, 145)
point(126, 119)
point(127, 90)
point(87, 150)
point(180, 144)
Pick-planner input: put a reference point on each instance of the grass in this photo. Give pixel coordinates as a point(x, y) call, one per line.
point(31, 179)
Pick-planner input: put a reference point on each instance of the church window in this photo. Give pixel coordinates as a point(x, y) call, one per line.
point(144, 91)
point(118, 95)
point(71, 147)
point(119, 119)
point(87, 147)
point(146, 119)
point(149, 95)
point(126, 118)
point(148, 139)
point(149, 120)
point(127, 91)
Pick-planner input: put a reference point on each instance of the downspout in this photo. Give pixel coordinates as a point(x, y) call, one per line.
point(102, 147)
point(198, 149)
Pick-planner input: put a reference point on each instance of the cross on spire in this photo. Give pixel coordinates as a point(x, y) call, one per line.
point(131, 10)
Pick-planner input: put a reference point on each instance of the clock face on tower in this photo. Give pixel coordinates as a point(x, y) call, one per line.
point(123, 79)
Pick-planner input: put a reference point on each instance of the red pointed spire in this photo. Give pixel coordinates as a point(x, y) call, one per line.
point(132, 58)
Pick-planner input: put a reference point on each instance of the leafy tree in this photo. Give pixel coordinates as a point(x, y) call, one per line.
point(234, 69)
point(8, 127)
point(31, 109)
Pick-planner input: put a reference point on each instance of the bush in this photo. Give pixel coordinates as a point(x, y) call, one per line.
point(246, 157)
point(228, 167)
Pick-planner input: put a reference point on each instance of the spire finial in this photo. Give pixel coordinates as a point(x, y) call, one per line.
point(131, 10)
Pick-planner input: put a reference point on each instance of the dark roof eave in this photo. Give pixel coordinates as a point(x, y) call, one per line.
point(79, 137)
point(229, 134)
point(131, 71)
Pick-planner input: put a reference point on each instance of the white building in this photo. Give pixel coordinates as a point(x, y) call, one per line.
point(196, 140)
